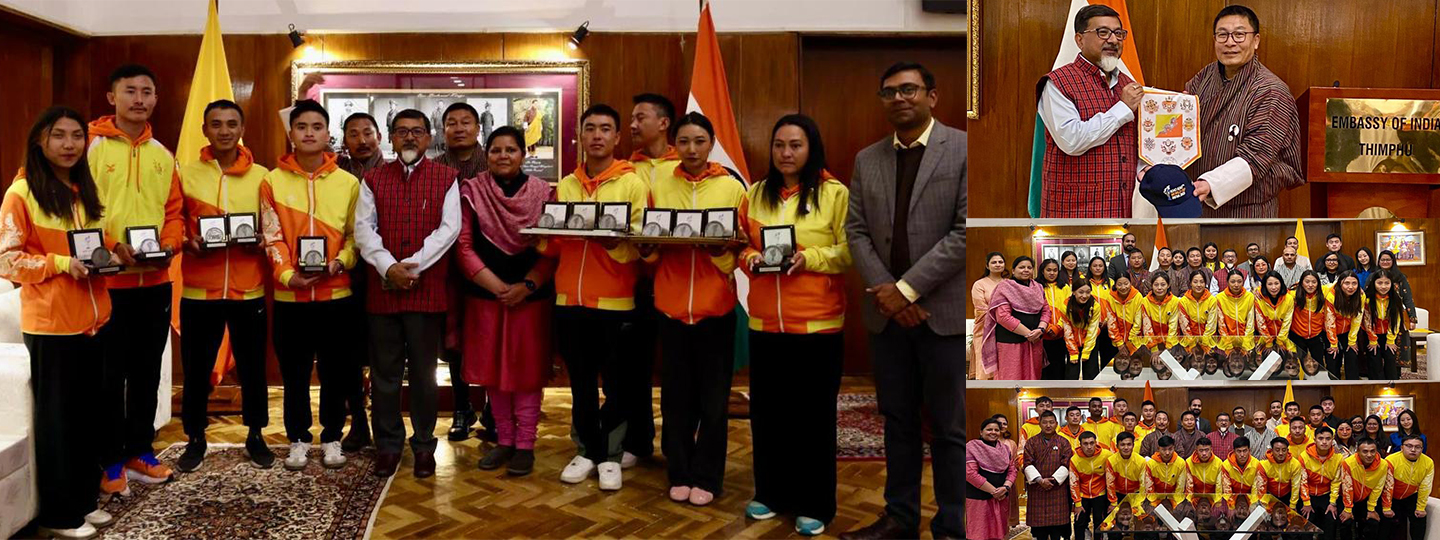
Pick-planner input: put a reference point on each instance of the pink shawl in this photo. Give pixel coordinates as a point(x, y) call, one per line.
point(1017, 297)
point(991, 458)
point(500, 217)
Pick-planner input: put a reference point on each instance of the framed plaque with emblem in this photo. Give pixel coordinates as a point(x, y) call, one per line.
point(145, 241)
point(242, 229)
point(311, 254)
point(88, 245)
point(212, 232)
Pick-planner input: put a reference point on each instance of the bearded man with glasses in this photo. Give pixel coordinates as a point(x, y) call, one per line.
point(1088, 108)
point(1250, 129)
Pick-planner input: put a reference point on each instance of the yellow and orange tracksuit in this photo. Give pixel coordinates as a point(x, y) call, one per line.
point(1193, 316)
point(1372, 486)
point(294, 203)
point(1072, 433)
point(1272, 321)
point(139, 184)
point(1241, 478)
point(1087, 475)
point(588, 275)
point(1165, 478)
point(1204, 476)
point(1120, 314)
point(690, 283)
point(1124, 476)
point(1309, 318)
point(1322, 474)
point(1153, 322)
point(235, 273)
point(34, 253)
point(812, 301)
point(1281, 479)
point(1410, 478)
point(1055, 297)
point(1105, 431)
point(1283, 431)
point(1233, 323)
point(1080, 342)
point(1338, 324)
point(1381, 325)
point(649, 168)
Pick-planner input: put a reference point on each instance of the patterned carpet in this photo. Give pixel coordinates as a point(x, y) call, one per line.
point(230, 498)
point(861, 429)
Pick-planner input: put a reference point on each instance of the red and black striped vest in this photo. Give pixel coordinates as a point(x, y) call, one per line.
point(1099, 182)
point(407, 210)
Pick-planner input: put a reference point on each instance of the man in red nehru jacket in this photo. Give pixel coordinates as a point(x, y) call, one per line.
point(1088, 107)
point(407, 218)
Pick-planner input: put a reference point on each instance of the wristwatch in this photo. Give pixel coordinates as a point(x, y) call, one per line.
point(531, 285)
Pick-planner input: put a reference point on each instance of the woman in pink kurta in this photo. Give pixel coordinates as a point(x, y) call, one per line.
point(507, 295)
point(989, 475)
point(1016, 318)
point(980, 296)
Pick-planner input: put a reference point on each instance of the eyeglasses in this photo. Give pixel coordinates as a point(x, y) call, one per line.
point(1105, 33)
point(907, 91)
point(1240, 37)
point(413, 132)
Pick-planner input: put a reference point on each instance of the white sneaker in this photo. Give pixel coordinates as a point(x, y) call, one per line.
point(298, 459)
point(610, 476)
point(577, 471)
point(99, 518)
point(334, 456)
point(85, 530)
point(628, 460)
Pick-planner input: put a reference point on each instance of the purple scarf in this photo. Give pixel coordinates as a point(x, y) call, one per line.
point(1018, 297)
point(991, 458)
point(500, 218)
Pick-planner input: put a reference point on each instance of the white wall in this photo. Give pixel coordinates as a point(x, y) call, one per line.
point(132, 17)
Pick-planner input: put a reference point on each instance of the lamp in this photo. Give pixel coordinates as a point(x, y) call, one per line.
point(579, 36)
point(296, 40)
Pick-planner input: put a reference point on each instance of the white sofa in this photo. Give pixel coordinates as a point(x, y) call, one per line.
point(18, 495)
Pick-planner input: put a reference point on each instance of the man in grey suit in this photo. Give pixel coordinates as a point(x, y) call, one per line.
point(906, 229)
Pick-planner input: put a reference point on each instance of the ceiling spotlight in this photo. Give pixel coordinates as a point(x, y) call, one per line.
point(580, 34)
point(295, 39)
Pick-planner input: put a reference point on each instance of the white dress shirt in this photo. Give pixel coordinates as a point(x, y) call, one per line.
point(372, 246)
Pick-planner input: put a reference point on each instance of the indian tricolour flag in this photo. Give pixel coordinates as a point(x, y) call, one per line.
point(710, 96)
point(1129, 63)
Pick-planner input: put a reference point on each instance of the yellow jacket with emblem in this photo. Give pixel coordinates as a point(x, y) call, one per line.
point(232, 273)
point(588, 275)
point(34, 248)
point(690, 284)
point(812, 301)
point(139, 184)
point(294, 203)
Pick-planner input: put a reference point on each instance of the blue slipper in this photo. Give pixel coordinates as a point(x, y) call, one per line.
point(758, 511)
point(809, 527)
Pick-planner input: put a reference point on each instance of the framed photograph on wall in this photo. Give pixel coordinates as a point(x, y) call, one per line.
point(1388, 408)
point(1084, 247)
point(1408, 246)
point(543, 99)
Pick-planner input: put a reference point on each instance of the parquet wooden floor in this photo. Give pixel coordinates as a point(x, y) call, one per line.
point(462, 501)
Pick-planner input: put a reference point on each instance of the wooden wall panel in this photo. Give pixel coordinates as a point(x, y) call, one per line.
point(1311, 43)
point(28, 52)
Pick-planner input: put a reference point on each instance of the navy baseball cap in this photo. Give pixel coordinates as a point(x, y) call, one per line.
point(1171, 191)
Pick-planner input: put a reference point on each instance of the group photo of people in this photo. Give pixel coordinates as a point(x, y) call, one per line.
point(353, 261)
point(1208, 308)
point(1309, 463)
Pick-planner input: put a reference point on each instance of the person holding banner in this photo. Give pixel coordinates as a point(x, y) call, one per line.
point(1088, 108)
point(1250, 129)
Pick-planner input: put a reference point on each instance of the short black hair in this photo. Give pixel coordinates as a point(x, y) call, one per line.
point(1227, 250)
point(1314, 408)
point(925, 74)
point(1240, 442)
point(1203, 441)
point(1296, 419)
point(507, 131)
point(1147, 402)
point(309, 105)
point(1087, 435)
point(662, 104)
point(1082, 17)
point(360, 116)
point(1045, 414)
point(1094, 399)
point(1124, 436)
point(1189, 413)
point(132, 70)
point(1120, 400)
point(1333, 235)
point(1238, 10)
point(1247, 246)
point(1327, 398)
point(1279, 440)
point(1324, 429)
point(1166, 441)
point(1129, 414)
point(460, 106)
point(692, 118)
point(1364, 441)
point(1226, 415)
point(1071, 409)
point(1277, 401)
point(412, 114)
point(1295, 403)
point(223, 104)
point(600, 109)
point(1044, 399)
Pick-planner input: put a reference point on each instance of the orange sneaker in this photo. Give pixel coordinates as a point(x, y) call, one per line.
point(148, 470)
point(112, 482)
